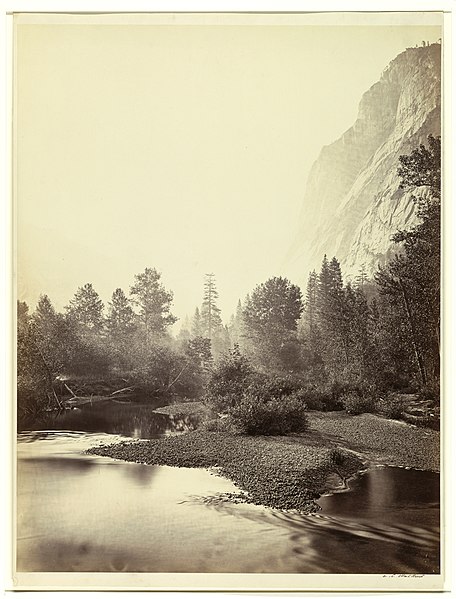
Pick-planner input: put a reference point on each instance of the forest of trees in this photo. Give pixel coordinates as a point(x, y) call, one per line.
point(364, 336)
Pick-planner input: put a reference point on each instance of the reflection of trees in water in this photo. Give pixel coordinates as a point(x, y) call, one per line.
point(138, 421)
point(141, 474)
point(184, 423)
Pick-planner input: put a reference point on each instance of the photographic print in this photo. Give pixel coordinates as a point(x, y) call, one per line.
point(227, 244)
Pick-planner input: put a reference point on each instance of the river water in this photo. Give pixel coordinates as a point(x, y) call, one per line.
point(84, 513)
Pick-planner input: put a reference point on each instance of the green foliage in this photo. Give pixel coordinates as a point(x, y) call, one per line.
point(84, 330)
point(199, 349)
point(254, 403)
point(197, 327)
point(430, 393)
point(157, 369)
point(53, 336)
point(121, 326)
point(357, 403)
point(229, 379)
point(275, 305)
point(410, 283)
point(266, 386)
point(154, 303)
point(276, 416)
point(386, 332)
point(33, 382)
point(120, 321)
point(86, 308)
point(207, 322)
point(198, 361)
point(391, 406)
point(221, 425)
point(322, 398)
point(337, 349)
point(337, 329)
point(235, 327)
point(210, 313)
point(270, 317)
point(422, 167)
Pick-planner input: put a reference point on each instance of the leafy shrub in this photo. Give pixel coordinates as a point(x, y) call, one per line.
point(228, 381)
point(324, 399)
point(220, 404)
point(430, 393)
point(226, 424)
point(277, 416)
point(255, 403)
point(391, 406)
point(356, 403)
point(267, 387)
point(314, 400)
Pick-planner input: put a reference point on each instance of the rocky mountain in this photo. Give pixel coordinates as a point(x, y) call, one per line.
point(353, 187)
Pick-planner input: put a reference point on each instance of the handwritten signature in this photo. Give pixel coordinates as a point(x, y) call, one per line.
point(403, 575)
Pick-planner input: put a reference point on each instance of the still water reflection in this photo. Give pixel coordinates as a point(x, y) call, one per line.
point(131, 419)
point(87, 513)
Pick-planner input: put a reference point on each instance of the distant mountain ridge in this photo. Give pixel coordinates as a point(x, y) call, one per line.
point(354, 181)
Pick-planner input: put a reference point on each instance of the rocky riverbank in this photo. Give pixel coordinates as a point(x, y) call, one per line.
point(289, 472)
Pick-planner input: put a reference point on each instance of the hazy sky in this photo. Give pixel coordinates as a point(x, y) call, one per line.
point(184, 148)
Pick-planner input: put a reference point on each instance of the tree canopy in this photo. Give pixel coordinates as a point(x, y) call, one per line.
point(153, 301)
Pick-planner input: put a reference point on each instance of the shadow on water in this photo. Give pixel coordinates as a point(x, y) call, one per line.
point(130, 419)
point(386, 523)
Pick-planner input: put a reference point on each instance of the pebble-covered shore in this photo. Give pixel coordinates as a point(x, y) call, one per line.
point(290, 472)
point(381, 441)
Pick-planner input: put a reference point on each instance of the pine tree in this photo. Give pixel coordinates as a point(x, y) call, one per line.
point(52, 336)
point(120, 321)
point(197, 327)
point(235, 326)
point(210, 314)
point(309, 322)
point(361, 278)
point(332, 318)
point(324, 284)
point(86, 308)
point(309, 331)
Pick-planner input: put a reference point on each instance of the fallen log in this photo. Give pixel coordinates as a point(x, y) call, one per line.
point(131, 389)
point(83, 400)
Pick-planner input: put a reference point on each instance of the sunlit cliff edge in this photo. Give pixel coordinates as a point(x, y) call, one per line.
point(352, 203)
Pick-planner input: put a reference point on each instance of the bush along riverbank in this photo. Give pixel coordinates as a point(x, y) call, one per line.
point(290, 472)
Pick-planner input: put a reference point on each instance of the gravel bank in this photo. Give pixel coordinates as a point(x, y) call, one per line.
point(379, 440)
point(290, 472)
point(189, 408)
point(279, 472)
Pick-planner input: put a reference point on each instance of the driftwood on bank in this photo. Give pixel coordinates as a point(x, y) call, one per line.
point(131, 389)
point(85, 399)
point(79, 400)
point(68, 389)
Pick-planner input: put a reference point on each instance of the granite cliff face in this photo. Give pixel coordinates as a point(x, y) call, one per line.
point(353, 187)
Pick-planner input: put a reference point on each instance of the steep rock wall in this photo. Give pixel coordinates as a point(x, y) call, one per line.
point(353, 187)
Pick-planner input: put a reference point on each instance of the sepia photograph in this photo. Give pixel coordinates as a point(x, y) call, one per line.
point(227, 295)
